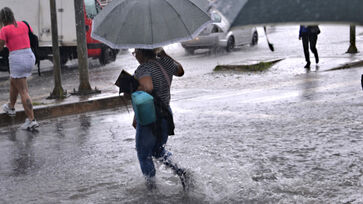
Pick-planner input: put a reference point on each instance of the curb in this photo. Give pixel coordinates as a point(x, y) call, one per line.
point(348, 65)
point(52, 111)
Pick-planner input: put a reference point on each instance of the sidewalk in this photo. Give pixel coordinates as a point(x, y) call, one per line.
point(41, 86)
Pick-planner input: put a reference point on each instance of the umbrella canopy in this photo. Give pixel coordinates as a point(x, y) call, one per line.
point(262, 12)
point(149, 23)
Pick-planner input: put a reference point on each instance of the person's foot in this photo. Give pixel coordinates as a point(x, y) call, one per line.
point(307, 65)
point(29, 125)
point(185, 178)
point(150, 184)
point(8, 110)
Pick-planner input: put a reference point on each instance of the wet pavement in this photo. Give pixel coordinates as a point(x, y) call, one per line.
point(286, 135)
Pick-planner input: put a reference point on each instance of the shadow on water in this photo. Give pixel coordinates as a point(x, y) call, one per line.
point(23, 157)
point(85, 125)
point(310, 85)
point(81, 126)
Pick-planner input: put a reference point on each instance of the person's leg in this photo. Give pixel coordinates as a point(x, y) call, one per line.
point(13, 93)
point(163, 155)
point(22, 87)
point(305, 42)
point(145, 141)
point(313, 39)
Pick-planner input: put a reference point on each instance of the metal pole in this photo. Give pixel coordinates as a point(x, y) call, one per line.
point(84, 86)
point(58, 91)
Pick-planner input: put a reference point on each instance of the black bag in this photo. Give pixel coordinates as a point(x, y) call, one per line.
point(126, 83)
point(314, 30)
point(4, 60)
point(34, 44)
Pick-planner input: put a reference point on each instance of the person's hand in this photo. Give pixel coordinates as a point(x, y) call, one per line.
point(160, 52)
point(134, 122)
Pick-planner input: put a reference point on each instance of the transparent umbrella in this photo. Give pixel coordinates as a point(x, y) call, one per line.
point(262, 12)
point(149, 23)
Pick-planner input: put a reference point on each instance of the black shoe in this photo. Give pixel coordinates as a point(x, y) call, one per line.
point(307, 65)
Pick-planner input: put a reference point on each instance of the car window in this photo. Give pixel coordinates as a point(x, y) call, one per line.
point(207, 30)
point(216, 18)
point(216, 29)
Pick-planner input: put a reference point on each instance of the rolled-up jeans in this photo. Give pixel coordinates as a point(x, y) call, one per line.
point(149, 145)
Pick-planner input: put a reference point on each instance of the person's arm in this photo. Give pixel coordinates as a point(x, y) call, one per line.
point(180, 73)
point(134, 123)
point(145, 84)
point(300, 32)
point(2, 44)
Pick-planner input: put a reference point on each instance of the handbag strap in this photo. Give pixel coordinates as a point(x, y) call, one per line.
point(26, 23)
point(164, 72)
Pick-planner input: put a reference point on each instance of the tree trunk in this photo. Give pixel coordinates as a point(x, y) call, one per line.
point(352, 48)
point(58, 91)
point(84, 86)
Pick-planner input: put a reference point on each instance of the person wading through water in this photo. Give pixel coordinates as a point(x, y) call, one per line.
point(154, 75)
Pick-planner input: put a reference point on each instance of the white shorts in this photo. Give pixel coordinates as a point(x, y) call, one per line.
point(21, 63)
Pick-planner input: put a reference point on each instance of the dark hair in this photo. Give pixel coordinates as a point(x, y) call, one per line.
point(148, 53)
point(7, 17)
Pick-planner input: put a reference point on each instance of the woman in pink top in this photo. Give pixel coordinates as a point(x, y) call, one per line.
point(15, 36)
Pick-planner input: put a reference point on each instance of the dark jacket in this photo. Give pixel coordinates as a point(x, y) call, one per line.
point(309, 30)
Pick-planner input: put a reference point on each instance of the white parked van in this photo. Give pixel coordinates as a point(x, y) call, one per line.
point(37, 14)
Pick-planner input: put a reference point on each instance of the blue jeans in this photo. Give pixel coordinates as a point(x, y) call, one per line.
point(148, 146)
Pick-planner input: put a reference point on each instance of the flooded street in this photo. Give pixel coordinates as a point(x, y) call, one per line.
point(286, 135)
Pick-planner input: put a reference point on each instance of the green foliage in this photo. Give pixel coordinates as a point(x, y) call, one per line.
point(259, 67)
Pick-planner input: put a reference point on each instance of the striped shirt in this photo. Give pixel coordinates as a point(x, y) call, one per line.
point(160, 84)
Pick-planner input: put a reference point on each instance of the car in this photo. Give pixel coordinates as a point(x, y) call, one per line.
point(218, 34)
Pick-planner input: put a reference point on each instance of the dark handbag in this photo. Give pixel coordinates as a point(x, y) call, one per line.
point(4, 60)
point(34, 43)
point(314, 30)
point(126, 83)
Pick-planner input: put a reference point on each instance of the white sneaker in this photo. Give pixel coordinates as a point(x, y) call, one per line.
point(28, 125)
point(8, 110)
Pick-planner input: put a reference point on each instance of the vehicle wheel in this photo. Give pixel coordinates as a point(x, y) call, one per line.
point(254, 39)
point(107, 55)
point(189, 51)
point(230, 44)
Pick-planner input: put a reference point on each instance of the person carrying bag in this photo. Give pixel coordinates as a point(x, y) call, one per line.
point(155, 76)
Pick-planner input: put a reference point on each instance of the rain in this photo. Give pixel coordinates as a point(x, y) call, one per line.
point(284, 134)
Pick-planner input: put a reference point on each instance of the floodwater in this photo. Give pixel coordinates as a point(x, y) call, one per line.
point(288, 135)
